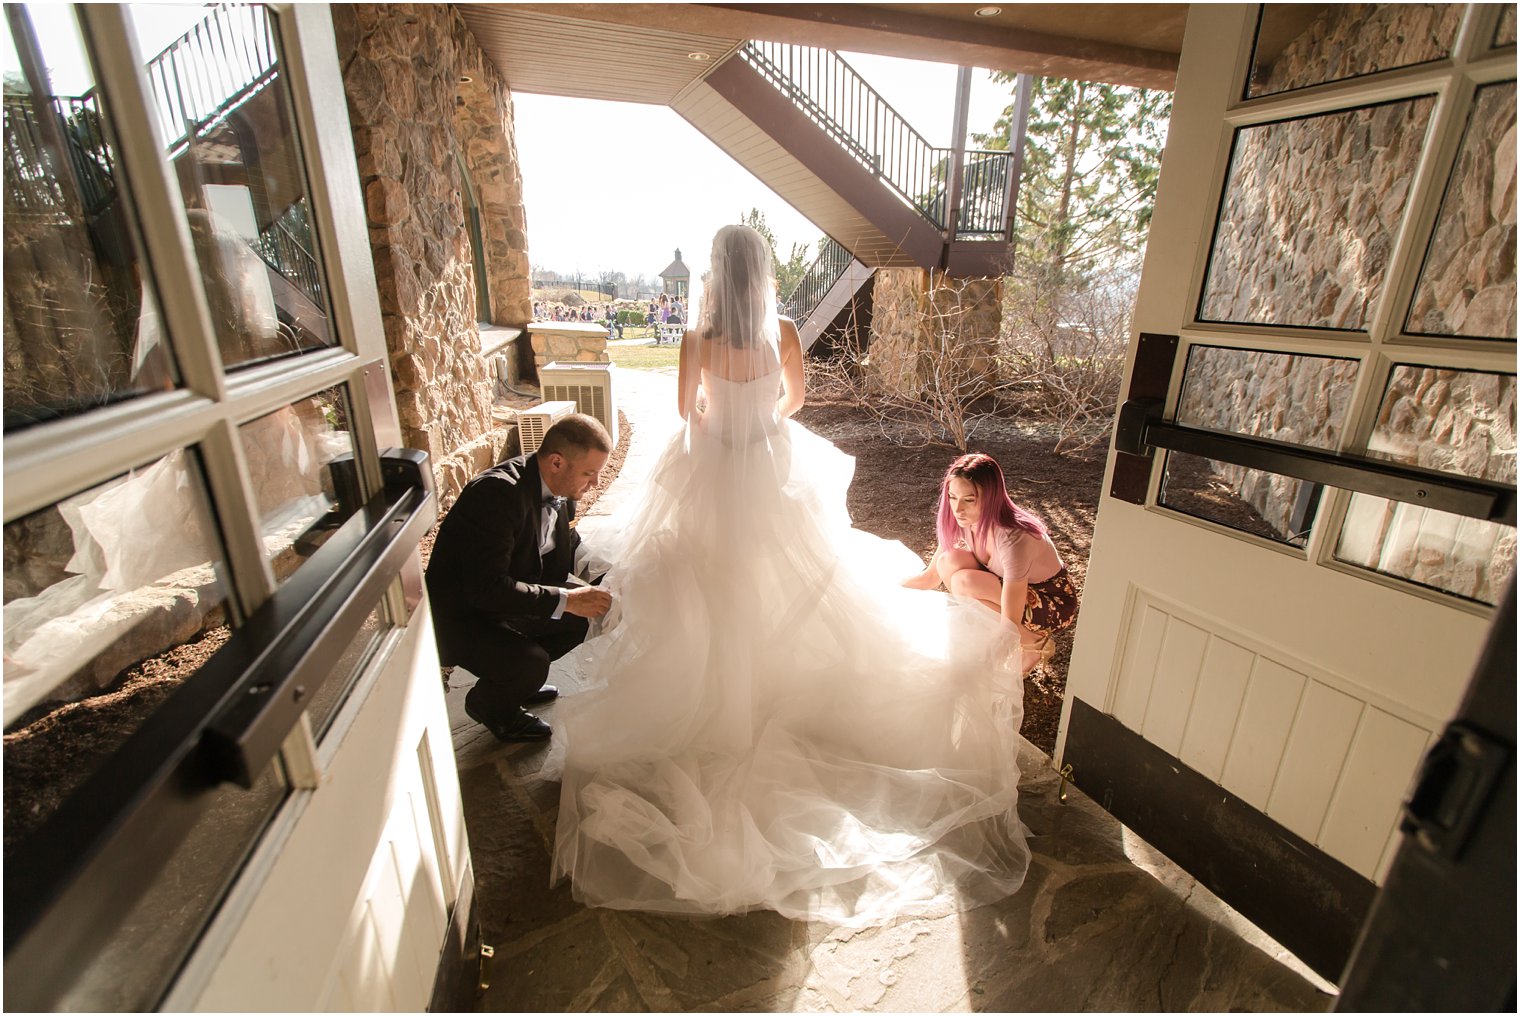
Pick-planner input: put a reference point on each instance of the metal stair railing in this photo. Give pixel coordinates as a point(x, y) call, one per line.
point(825, 270)
point(287, 255)
point(212, 69)
point(30, 186)
point(835, 97)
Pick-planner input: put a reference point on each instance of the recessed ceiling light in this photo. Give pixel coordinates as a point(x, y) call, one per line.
point(699, 56)
point(988, 12)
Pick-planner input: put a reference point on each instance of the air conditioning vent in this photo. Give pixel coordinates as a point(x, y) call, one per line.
point(588, 385)
point(534, 422)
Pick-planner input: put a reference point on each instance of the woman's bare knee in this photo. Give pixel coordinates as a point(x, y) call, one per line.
point(950, 562)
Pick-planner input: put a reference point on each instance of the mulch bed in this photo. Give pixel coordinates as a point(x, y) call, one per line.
point(896, 491)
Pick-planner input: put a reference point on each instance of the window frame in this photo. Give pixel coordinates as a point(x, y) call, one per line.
point(1453, 82)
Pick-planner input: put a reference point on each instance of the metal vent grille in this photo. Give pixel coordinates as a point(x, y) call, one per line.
point(588, 385)
point(534, 422)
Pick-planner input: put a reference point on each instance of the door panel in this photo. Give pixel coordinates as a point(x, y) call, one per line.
point(198, 531)
point(1288, 235)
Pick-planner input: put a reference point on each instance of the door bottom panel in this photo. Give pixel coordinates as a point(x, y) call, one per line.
point(1292, 890)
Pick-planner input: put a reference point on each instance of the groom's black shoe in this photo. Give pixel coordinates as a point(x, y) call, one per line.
point(524, 726)
point(548, 693)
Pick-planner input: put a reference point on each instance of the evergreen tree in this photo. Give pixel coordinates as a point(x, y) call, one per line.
point(788, 272)
point(1091, 160)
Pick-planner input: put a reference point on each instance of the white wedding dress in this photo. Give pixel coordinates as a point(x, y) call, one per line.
point(771, 720)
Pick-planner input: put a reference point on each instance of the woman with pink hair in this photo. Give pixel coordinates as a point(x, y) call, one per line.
point(994, 551)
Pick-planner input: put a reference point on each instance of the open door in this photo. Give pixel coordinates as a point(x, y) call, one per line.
point(229, 777)
point(1308, 514)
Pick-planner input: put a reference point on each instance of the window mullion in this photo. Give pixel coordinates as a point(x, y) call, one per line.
point(170, 258)
point(237, 511)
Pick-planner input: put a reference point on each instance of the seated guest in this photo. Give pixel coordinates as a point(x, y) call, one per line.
point(499, 577)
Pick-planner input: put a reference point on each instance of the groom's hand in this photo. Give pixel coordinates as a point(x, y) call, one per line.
point(587, 601)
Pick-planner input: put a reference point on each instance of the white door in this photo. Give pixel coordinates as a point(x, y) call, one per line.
point(229, 778)
point(1330, 266)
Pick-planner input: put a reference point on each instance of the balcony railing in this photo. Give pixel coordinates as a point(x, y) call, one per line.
point(826, 269)
point(210, 70)
point(31, 188)
point(836, 98)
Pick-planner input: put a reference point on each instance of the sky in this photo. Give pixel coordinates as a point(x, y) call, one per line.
point(617, 186)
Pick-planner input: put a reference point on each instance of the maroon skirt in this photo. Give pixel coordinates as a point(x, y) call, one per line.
point(1051, 605)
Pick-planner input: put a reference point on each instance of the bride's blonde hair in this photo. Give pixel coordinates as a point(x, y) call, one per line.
point(739, 303)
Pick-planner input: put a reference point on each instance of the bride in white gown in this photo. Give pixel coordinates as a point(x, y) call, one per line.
point(772, 721)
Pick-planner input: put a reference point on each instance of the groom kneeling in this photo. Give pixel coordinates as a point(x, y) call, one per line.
point(497, 577)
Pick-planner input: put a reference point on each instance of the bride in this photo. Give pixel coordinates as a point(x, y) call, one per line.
point(771, 720)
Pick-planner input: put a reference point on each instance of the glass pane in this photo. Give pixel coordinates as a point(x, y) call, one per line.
point(1265, 504)
point(1309, 215)
point(223, 103)
point(334, 690)
point(300, 460)
point(81, 323)
point(1504, 35)
point(1285, 397)
point(1459, 422)
point(1308, 44)
point(1467, 286)
point(112, 597)
point(1280, 396)
point(137, 965)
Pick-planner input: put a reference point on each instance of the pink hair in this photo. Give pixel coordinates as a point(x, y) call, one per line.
point(998, 511)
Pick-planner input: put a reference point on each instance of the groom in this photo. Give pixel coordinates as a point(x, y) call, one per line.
point(499, 571)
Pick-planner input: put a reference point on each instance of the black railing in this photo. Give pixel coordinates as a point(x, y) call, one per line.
point(211, 69)
point(286, 254)
point(836, 98)
point(31, 188)
point(826, 269)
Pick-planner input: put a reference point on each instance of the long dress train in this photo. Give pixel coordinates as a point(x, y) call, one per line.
point(772, 721)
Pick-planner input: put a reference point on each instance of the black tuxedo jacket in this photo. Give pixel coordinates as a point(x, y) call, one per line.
point(485, 565)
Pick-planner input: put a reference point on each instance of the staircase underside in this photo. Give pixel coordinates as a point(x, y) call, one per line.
point(815, 190)
point(762, 130)
point(834, 302)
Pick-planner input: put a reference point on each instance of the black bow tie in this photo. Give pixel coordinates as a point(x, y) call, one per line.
point(553, 501)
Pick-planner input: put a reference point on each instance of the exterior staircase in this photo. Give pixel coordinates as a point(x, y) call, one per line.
point(809, 127)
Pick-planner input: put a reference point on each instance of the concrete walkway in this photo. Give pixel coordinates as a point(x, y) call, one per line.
point(1102, 923)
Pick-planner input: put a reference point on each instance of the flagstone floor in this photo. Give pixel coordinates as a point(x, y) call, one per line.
point(1102, 923)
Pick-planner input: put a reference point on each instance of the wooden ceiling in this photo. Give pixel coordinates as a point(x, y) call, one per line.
point(644, 52)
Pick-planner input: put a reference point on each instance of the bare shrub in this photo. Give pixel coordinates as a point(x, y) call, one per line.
point(1062, 352)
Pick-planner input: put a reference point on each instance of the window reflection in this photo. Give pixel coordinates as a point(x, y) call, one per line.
point(224, 106)
point(1285, 397)
point(1309, 216)
point(1504, 35)
point(103, 581)
point(1298, 45)
point(1460, 422)
point(300, 462)
point(1467, 284)
point(82, 327)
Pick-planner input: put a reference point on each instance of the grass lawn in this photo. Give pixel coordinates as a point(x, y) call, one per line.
point(645, 357)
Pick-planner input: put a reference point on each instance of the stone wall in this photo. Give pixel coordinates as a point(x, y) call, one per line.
point(568, 342)
point(410, 114)
point(917, 312)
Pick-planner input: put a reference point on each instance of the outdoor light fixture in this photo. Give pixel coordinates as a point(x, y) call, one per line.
point(699, 57)
point(988, 12)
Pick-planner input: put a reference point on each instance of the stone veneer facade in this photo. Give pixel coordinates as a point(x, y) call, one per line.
point(568, 342)
point(915, 310)
point(412, 112)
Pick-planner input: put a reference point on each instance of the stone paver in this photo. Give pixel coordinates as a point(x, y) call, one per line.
point(1103, 922)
